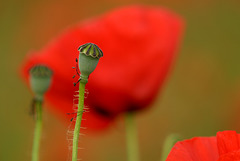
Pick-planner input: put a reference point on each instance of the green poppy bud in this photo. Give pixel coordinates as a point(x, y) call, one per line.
point(88, 59)
point(40, 80)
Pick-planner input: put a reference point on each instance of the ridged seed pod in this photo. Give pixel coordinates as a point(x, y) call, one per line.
point(40, 80)
point(88, 59)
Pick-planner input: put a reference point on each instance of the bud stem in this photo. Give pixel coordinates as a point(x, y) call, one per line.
point(78, 120)
point(37, 132)
point(131, 137)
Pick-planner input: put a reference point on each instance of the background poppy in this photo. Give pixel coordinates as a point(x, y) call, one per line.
point(139, 45)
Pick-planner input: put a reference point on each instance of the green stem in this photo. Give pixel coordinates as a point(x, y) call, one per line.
point(78, 120)
point(131, 137)
point(168, 144)
point(37, 132)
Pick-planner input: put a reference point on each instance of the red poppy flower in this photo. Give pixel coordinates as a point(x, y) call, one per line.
point(139, 45)
point(224, 147)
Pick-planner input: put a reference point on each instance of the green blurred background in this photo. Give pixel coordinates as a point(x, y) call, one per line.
point(200, 98)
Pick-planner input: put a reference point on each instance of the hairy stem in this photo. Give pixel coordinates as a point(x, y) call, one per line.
point(78, 121)
point(131, 137)
point(37, 132)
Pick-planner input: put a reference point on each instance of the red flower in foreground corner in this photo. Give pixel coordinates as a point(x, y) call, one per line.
point(139, 45)
point(224, 147)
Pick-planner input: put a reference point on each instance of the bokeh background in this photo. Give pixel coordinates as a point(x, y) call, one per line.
point(200, 97)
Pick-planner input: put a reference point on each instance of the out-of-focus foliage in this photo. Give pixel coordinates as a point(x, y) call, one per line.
point(200, 98)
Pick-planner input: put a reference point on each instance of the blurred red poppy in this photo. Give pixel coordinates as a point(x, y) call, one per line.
point(224, 147)
point(139, 45)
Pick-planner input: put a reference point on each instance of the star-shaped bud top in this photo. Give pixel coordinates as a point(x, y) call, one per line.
point(90, 49)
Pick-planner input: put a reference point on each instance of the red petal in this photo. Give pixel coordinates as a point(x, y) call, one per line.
point(196, 149)
point(227, 141)
point(231, 156)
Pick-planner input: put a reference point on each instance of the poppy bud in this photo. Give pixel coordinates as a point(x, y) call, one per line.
point(88, 59)
point(40, 80)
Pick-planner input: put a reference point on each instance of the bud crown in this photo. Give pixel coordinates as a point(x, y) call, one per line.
point(90, 49)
